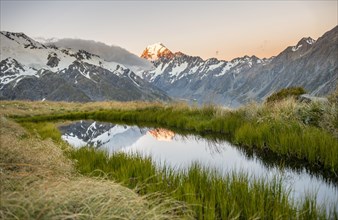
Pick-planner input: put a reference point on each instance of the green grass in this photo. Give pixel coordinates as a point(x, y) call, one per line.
point(44, 130)
point(209, 195)
point(288, 136)
point(285, 93)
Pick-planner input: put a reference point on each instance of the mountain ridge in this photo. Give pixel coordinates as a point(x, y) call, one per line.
point(34, 71)
point(249, 78)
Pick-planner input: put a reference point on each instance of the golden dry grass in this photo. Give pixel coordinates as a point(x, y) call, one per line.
point(27, 108)
point(37, 181)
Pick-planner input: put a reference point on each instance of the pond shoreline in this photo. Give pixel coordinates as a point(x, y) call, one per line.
point(234, 127)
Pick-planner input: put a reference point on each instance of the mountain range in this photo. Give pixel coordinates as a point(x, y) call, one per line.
point(312, 64)
point(34, 71)
point(79, 70)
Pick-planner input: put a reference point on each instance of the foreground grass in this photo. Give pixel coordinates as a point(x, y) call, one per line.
point(303, 132)
point(211, 196)
point(37, 181)
point(207, 195)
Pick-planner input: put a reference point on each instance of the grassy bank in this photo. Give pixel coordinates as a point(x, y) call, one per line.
point(305, 132)
point(210, 196)
point(37, 181)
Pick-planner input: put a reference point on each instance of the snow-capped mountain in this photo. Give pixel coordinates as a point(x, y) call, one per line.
point(80, 70)
point(311, 64)
point(34, 71)
point(156, 51)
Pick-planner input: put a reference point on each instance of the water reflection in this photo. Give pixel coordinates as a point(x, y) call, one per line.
point(180, 151)
point(162, 134)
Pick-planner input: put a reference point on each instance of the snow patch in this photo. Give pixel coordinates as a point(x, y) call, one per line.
point(215, 66)
point(178, 69)
point(296, 48)
point(310, 41)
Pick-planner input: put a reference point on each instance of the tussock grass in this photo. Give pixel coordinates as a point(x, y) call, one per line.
point(285, 93)
point(29, 108)
point(86, 198)
point(211, 196)
point(320, 115)
point(37, 181)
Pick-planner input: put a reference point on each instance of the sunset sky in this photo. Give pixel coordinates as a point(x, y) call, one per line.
point(200, 28)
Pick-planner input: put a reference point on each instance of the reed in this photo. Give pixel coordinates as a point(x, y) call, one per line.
point(206, 192)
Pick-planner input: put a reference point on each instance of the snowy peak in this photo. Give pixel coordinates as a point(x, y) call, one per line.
point(156, 51)
point(21, 38)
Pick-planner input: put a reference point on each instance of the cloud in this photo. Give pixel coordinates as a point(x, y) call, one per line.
point(109, 53)
point(45, 40)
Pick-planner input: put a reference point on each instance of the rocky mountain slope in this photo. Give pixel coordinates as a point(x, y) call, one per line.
point(34, 71)
point(311, 64)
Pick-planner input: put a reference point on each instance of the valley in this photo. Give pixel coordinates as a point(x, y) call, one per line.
point(165, 110)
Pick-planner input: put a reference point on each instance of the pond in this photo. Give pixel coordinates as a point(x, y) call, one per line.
point(179, 151)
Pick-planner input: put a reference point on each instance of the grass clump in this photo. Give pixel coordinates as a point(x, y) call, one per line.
point(44, 130)
point(210, 195)
point(285, 93)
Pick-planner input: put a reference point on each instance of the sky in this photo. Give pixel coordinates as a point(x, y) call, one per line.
point(221, 29)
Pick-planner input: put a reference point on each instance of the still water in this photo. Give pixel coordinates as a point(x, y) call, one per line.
point(178, 151)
